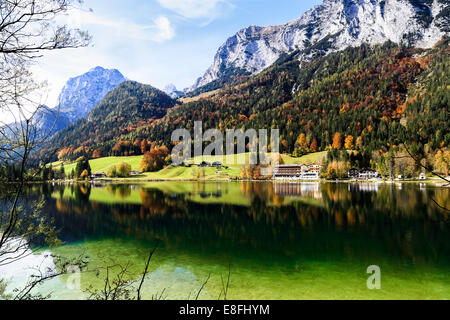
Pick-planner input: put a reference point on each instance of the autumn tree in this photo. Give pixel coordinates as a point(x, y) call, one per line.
point(65, 154)
point(313, 147)
point(359, 142)
point(442, 161)
point(137, 143)
point(112, 172)
point(405, 165)
point(81, 166)
point(349, 143)
point(337, 170)
point(123, 148)
point(301, 145)
point(285, 145)
point(85, 175)
point(123, 170)
point(337, 141)
point(96, 154)
point(144, 146)
point(155, 159)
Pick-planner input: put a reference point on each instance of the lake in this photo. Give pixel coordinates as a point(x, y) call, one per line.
point(279, 240)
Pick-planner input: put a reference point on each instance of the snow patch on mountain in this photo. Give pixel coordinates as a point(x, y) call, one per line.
point(171, 91)
point(332, 26)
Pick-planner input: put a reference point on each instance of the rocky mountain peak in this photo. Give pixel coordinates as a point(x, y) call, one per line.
point(332, 26)
point(82, 93)
point(172, 91)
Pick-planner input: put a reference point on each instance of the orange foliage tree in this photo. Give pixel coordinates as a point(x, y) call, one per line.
point(123, 148)
point(155, 159)
point(96, 154)
point(337, 141)
point(144, 146)
point(313, 147)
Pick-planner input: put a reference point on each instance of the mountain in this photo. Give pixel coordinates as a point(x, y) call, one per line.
point(332, 26)
point(82, 93)
point(172, 91)
point(51, 120)
point(373, 96)
point(77, 98)
point(125, 109)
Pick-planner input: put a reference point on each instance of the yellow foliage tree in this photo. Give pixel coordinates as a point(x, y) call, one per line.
point(302, 142)
point(123, 170)
point(337, 170)
point(349, 143)
point(442, 161)
point(84, 175)
point(359, 142)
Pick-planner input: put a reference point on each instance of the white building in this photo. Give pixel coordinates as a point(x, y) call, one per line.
point(297, 172)
point(363, 174)
point(368, 174)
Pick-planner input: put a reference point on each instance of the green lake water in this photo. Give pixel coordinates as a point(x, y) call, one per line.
point(280, 240)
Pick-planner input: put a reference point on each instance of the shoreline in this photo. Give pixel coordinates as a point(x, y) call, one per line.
point(435, 182)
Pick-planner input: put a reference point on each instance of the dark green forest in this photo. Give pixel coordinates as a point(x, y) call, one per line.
point(381, 96)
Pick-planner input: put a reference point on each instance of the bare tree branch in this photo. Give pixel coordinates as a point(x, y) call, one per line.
point(202, 287)
point(145, 272)
point(27, 29)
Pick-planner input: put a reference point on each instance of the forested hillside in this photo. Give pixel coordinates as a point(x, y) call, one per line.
point(369, 98)
point(130, 106)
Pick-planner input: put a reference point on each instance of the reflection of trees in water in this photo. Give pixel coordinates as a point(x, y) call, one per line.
point(122, 191)
point(154, 202)
point(260, 190)
point(389, 199)
point(81, 191)
point(402, 217)
point(350, 224)
point(443, 198)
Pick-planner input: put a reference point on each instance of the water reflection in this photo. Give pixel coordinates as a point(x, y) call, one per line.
point(296, 190)
point(286, 220)
point(277, 228)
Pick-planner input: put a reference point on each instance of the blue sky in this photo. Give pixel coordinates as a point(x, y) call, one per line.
point(159, 41)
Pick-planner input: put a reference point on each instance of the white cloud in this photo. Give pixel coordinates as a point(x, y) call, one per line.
point(161, 30)
point(116, 42)
point(198, 9)
point(165, 29)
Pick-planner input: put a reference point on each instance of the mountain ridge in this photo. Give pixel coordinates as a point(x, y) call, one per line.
point(379, 96)
point(130, 105)
point(81, 93)
point(77, 98)
point(344, 22)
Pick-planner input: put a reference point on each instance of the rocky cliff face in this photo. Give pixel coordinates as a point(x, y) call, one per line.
point(78, 97)
point(172, 91)
point(82, 93)
point(332, 26)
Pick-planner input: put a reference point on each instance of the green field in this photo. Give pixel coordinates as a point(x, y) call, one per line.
point(103, 164)
point(232, 170)
point(317, 157)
